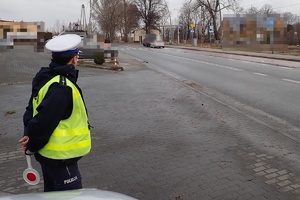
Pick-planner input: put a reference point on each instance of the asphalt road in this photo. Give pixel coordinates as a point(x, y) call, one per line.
point(159, 137)
point(271, 89)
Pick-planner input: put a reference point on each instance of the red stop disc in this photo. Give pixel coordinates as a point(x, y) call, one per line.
point(31, 176)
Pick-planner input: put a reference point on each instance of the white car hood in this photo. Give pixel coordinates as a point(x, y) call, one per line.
point(86, 194)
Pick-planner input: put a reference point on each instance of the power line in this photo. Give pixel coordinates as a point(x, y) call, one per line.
point(276, 8)
point(287, 6)
point(257, 3)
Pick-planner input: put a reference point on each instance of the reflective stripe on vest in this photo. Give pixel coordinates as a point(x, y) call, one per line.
point(71, 138)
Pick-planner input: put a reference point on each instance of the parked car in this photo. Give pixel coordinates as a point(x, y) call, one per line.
point(153, 41)
point(86, 194)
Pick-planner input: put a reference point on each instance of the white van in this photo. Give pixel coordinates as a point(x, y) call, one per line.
point(153, 41)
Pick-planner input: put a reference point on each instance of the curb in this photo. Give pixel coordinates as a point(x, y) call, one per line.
point(249, 54)
point(105, 65)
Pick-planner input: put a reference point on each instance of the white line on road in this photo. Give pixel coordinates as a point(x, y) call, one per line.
point(292, 81)
point(286, 68)
point(259, 74)
point(244, 61)
point(203, 62)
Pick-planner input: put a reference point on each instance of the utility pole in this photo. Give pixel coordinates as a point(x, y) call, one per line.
point(178, 33)
point(90, 12)
point(170, 31)
point(90, 18)
point(298, 33)
point(221, 31)
point(125, 22)
point(202, 26)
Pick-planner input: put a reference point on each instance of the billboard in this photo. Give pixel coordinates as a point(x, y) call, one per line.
point(255, 31)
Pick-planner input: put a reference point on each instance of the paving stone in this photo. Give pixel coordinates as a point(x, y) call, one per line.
point(259, 164)
point(284, 177)
point(259, 168)
point(286, 189)
point(284, 183)
point(261, 173)
point(273, 175)
point(282, 172)
point(271, 170)
point(272, 181)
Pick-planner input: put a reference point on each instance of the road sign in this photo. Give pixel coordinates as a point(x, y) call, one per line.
point(211, 29)
point(270, 23)
point(192, 30)
point(192, 26)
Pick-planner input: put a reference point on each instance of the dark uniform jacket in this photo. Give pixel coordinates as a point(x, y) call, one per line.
point(56, 106)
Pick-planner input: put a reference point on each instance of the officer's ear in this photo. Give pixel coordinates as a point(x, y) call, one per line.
point(74, 60)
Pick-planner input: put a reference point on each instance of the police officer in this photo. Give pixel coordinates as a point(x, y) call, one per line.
point(56, 122)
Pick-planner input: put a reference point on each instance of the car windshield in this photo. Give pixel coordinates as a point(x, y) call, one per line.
point(80, 33)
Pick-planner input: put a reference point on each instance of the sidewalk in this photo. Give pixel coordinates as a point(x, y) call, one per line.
point(157, 138)
point(274, 59)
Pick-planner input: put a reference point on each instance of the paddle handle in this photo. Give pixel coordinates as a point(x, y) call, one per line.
point(28, 159)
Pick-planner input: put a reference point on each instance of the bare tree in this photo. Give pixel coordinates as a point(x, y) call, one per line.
point(191, 13)
point(125, 21)
point(163, 22)
point(107, 13)
point(185, 18)
point(214, 6)
point(151, 12)
point(130, 18)
point(267, 9)
point(252, 10)
point(291, 18)
point(93, 27)
point(293, 28)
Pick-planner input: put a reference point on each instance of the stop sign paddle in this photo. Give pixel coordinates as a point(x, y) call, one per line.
point(30, 175)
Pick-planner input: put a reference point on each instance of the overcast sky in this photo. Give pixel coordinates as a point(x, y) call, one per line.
point(69, 10)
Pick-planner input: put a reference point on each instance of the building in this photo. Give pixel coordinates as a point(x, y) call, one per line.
point(138, 35)
point(21, 33)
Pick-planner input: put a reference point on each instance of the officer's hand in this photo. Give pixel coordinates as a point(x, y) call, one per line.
point(24, 141)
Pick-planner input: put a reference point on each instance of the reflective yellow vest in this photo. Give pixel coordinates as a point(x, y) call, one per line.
point(71, 138)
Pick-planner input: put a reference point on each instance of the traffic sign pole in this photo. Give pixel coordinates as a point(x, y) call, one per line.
point(270, 27)
point(211, 30)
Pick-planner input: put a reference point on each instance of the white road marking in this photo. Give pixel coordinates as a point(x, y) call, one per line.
point(199, 61)
point(244, 61)
point(286, 68)
point(292, 81)
point(259, 74)
point(212, 64)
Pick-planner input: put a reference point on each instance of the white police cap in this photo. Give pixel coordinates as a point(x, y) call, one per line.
point(64, 44)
